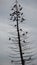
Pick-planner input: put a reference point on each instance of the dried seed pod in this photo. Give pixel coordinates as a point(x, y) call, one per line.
point(20, 8)
point(26, 32)
point(23, 19)
point(9, 38)
point(21, 13)
point(12, 61)
point(24, 41)
point(15, 25)
point(10, 18)
point(22, 53)
point(10, 14)
point(12, 9)
point(19, 5)
point(14, 18)
point(20, 29)
point(15, 5)
point(23, 34)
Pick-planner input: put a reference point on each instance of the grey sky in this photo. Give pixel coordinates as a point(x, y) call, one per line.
point(30, 13)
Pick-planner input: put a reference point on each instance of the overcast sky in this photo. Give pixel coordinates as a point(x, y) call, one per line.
point(30, 13)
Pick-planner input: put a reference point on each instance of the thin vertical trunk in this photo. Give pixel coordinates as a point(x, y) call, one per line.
point(22, 60)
